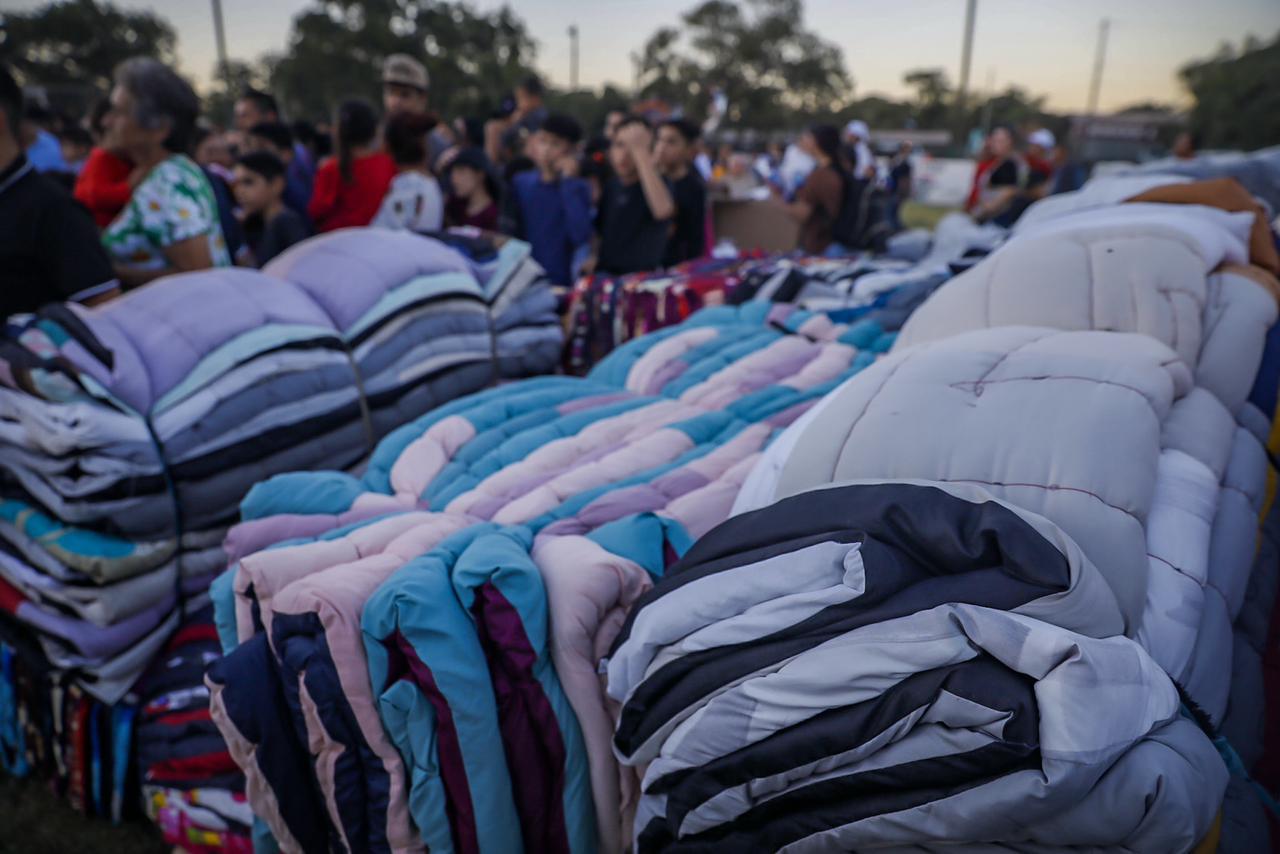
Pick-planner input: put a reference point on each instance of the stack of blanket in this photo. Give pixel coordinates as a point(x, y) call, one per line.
point(605, 311)
point(897, 666)
point(129, 432)
point(191, 787)
point(1128, 445)
point(428, 634)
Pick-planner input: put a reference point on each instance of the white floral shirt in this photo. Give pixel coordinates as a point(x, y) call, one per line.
point(173, 203)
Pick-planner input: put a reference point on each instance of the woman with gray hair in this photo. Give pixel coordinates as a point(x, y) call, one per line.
point(170, 224)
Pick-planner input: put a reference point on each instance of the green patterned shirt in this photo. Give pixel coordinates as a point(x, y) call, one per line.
point(173, 203)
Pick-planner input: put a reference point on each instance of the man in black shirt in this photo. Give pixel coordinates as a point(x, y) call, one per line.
point(49, 247)
point(636, 206)
point(674, 152)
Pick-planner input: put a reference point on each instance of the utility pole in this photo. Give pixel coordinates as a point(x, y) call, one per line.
point(573, 57)
point(1099, 58)
point(966, 55)
point(220, 35)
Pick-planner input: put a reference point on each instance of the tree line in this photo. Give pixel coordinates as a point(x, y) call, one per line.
point(775, 72)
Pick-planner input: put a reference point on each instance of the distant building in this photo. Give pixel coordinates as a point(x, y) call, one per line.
point(1133, 136)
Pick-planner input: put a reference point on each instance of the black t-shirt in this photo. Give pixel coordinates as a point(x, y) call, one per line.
point(285, 229)
point(49, 248)
point(631, 240)
point(1005, 175)
point(689, 237)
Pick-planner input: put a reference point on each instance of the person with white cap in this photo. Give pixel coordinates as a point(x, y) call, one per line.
point(1038, 157)
point(857, 136)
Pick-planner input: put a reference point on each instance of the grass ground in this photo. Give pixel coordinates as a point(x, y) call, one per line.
point(34, 821)
point(916, 215)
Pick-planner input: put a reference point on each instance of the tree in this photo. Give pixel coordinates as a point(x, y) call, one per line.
point(1237, 100)
point(336, 50)
point(933, 96)
point(71, 48)
point(770, 67)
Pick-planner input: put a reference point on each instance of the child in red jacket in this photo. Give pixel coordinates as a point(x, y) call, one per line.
point(349, 187)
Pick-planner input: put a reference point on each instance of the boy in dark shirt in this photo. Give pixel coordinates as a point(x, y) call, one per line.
point(636, 206)
point(677, 144)
point(276, 138)
point(270, 227)
point(551, 205)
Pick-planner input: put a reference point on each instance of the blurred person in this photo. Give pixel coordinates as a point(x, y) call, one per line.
point(551, 204)
point(1068, 174)
point(276, 138)
point(406, 87)
point(473, 196)
point(76, 144)
point(720, 163)
point(1185, 145)
point(254, 107)
point(702, 160)
point(310, 142)
point(899, 185)
point(351, 185)
point(171, 222)
point(861, 159)
point(43, 150)
point(982, 163)
point(595, 168)
point(674, 152)
point(1001, 183)
point(530, 111)
point(740, 180)
point(270, 226)
point(612, 120)
point(820, 198)
point(212, 151)
point(1040, 144)
point(413, 201)
point(636, 207)
point(507, 136)
point(49, 249)
point(796, 166)
point(103, 183)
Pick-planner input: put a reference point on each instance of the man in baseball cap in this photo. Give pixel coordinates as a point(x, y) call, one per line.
point(857, 136)
point(1040, 167)
point(404, 84)
point(1042, 139)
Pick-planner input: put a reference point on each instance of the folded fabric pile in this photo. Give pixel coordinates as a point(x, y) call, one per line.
point(990, 537)
point(130, 432)
point(893, 665)
point(191, 787)
point(429, 633)
point(605, 311)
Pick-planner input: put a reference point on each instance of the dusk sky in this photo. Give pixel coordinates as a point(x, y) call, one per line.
point(1045, 47)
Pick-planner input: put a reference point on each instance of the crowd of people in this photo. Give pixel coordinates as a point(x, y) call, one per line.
point(156, 189)
point(1007, 180)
